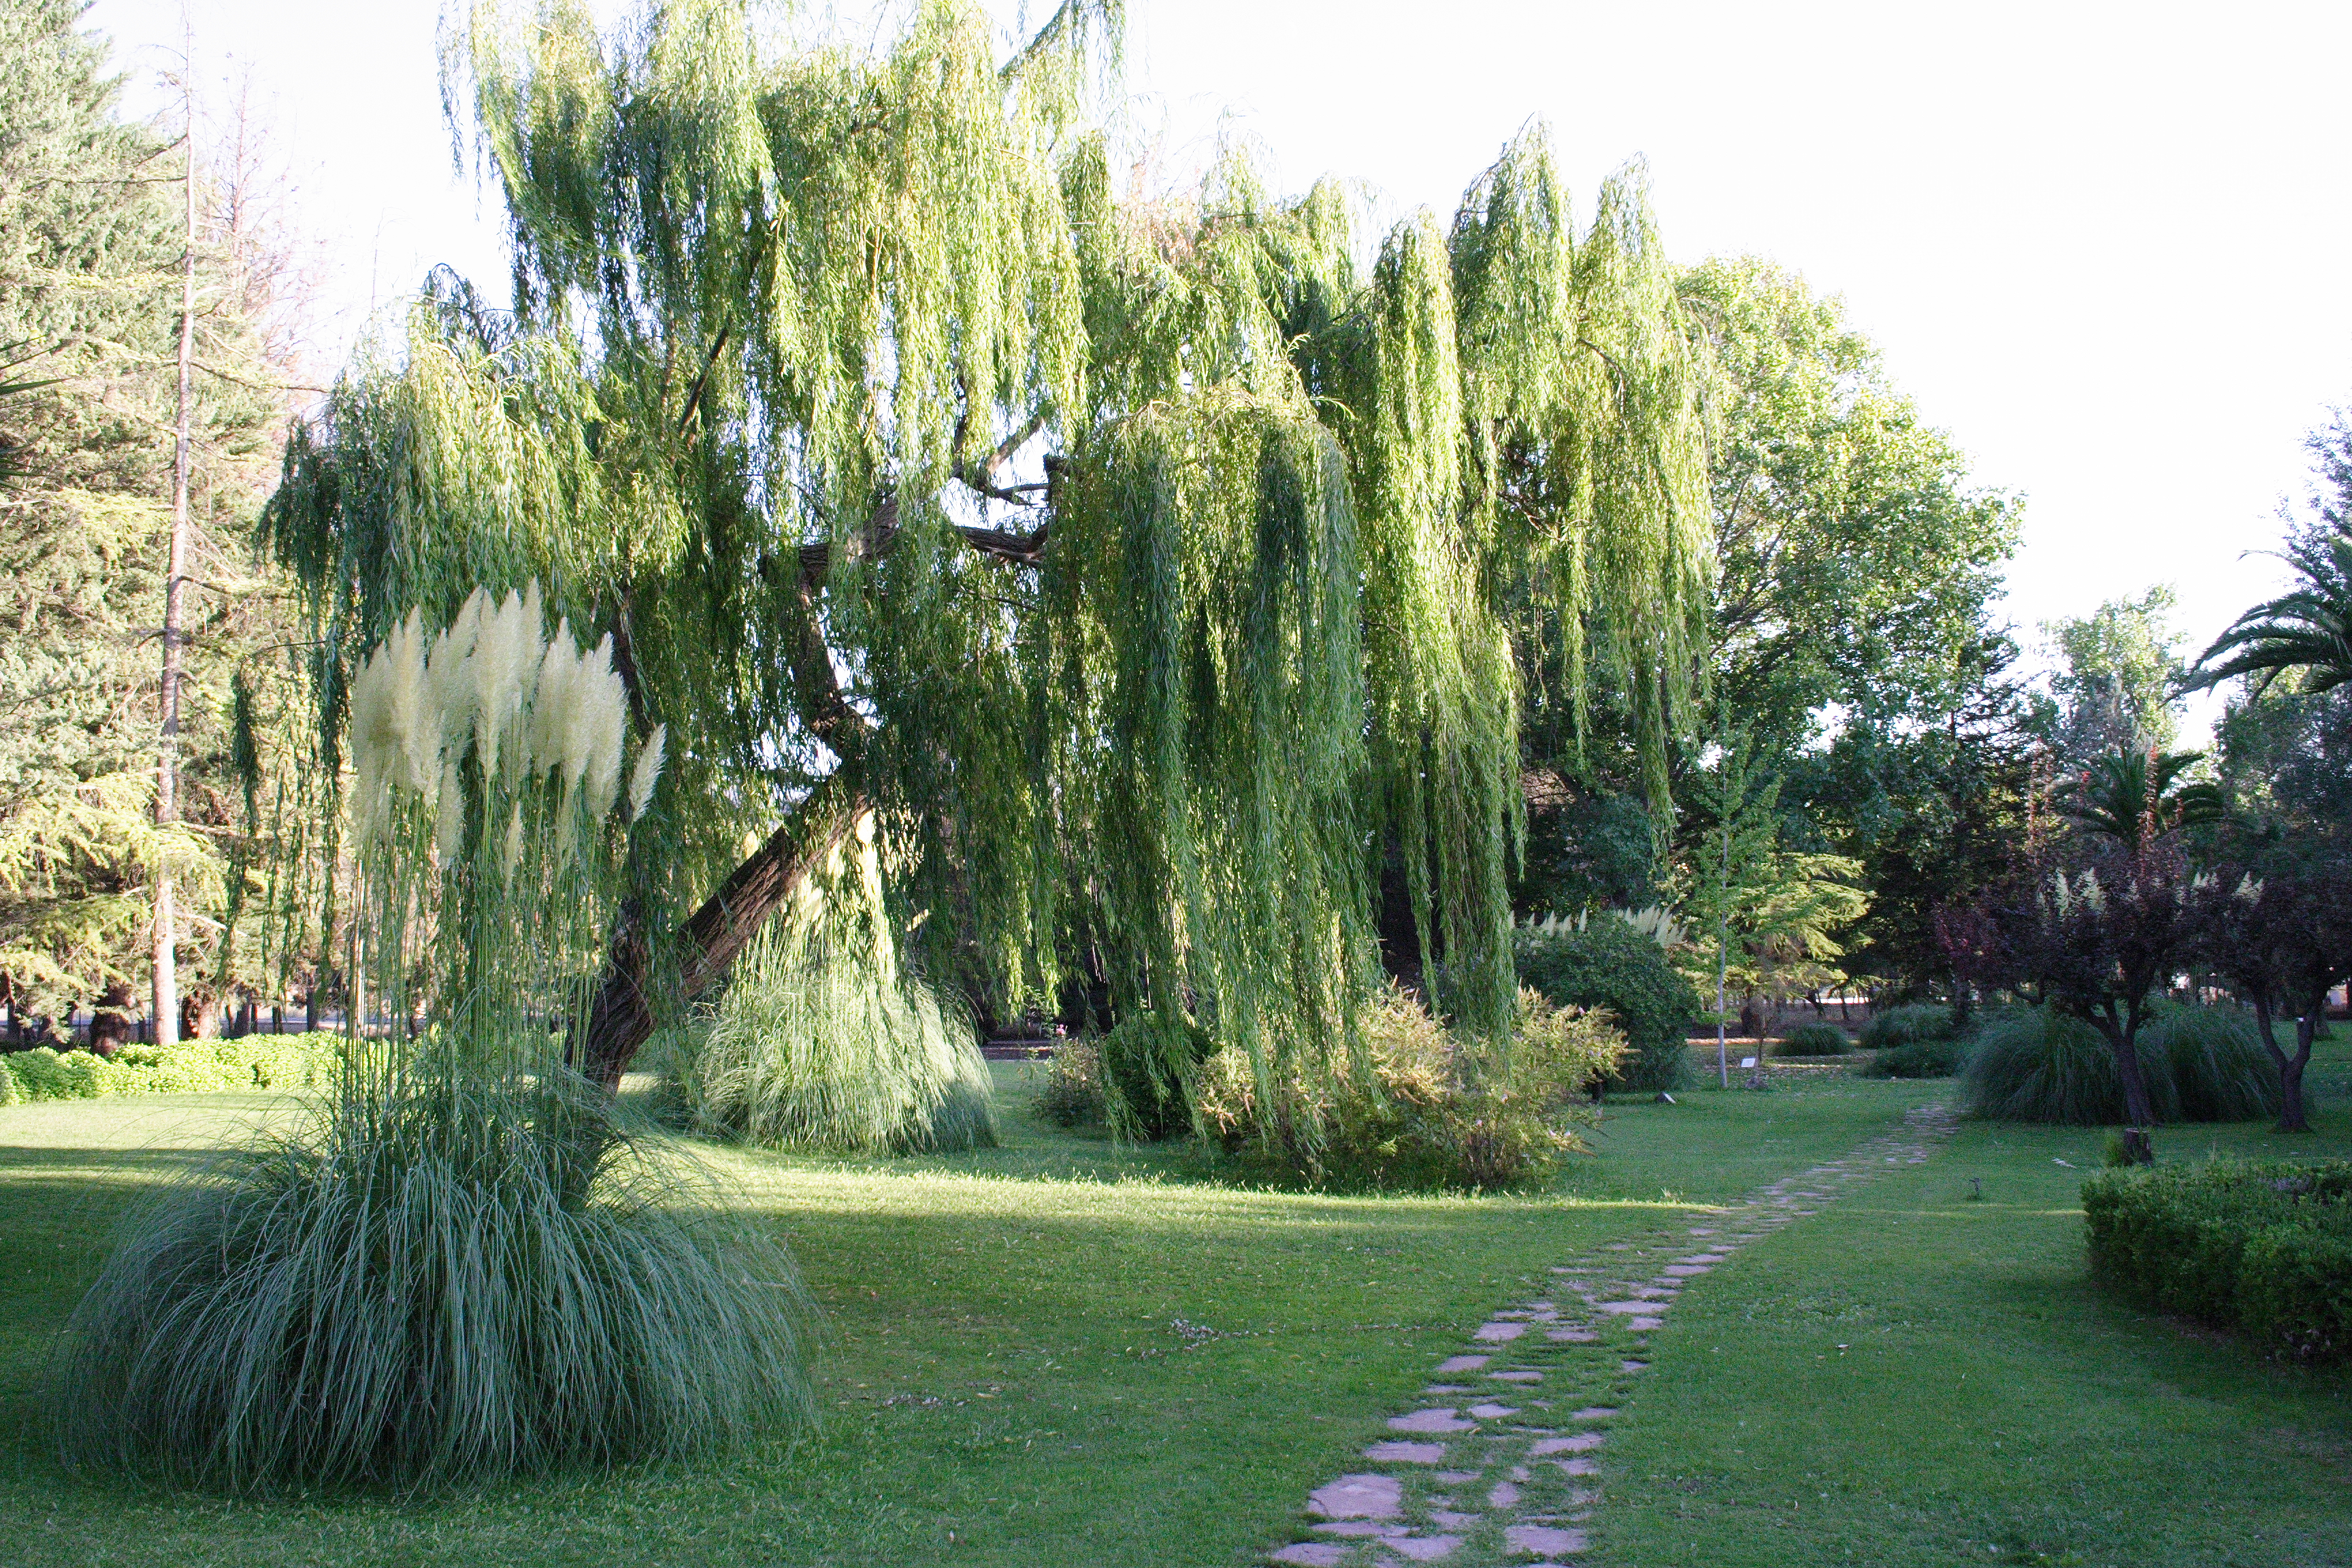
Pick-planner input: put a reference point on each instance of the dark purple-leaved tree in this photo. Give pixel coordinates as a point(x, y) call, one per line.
point(2280, 935)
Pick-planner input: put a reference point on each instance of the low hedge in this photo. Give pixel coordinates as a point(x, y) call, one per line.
point(2265, 1247)
point(193, 1066)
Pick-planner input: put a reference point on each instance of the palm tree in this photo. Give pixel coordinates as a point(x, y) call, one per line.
point(2308, 628)
point(2136, 796)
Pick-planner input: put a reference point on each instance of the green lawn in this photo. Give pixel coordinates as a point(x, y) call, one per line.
point(1063, 1354)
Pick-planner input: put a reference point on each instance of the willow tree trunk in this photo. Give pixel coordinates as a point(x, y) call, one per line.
point(625, 1014)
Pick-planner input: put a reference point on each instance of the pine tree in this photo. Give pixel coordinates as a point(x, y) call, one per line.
point(89, 243)
point(1143, 566)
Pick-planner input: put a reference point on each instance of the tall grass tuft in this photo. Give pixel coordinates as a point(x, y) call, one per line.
point(459, 1266)
point(2201, 1064)
point(431, 1283)
point(820, 1044)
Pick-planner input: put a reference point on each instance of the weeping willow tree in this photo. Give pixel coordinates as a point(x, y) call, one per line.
point(1148, 568)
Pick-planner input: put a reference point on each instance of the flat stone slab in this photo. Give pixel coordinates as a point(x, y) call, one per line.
point(1544, 1540)
point(1311, 1554)
point(1571, 1336)
point(1632, 1367)
point(1686, 1270)
point(1436, 1418)
point(1627, 1309)
point(1582, 1443)
point(1437, 1388)
point(1423, 1548)
point(1463, 1363)
point(1499, 1333)
point(1406, 1453)
point(1492, 1411)
point(1455, 1478)
point(1643, 1325)
point(1358, 1497)
point(1577, 1467)
point(1503, 1495)
point(1516, 1376)
point(1596, 1413)
point(1445, 1519)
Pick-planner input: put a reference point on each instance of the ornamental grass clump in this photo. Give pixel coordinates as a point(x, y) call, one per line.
point(2038, 1064)
point(1909, 1024)
point(459, 1266)
point(433, 1282)
point(823, 1042)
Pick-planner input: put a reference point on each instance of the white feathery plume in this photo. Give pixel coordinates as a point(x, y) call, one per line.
point(512, 857)
point(551, 702)
point(406, 724)
point(608, 725)
point(368, 747)
point(498, 655)
point(647, 772)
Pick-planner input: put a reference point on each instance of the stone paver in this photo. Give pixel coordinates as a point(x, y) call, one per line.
point(1538, 1468)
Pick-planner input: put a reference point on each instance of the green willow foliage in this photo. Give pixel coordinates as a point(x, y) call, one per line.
point(1146, 564)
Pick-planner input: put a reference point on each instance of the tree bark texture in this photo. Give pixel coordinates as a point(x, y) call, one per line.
point(624, 1015)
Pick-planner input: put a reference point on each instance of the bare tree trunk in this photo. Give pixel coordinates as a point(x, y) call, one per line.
point(167, 771)
point(624, 1015)
point(2292, 1116)
point(2140, 1113)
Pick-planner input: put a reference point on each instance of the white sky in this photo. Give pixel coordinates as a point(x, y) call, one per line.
point(2104, 246)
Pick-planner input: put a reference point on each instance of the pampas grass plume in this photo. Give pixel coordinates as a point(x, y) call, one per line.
point(647, 772)
point(607, 718)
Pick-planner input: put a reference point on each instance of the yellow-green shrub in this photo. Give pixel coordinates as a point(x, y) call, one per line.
point(1426, 1108)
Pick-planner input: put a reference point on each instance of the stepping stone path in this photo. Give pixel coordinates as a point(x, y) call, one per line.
point(1489, 1484)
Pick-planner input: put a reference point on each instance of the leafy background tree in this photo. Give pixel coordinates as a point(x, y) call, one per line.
point(1851, 633)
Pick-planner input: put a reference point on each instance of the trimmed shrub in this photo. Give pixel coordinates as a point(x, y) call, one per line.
point(1072, 1095)
point(1613, 966)
point(192, 1067)
point(432, 1282)
point(1814, 1040)
point(817, 1045)
point(1432, 1111)
point(1919, 1059)
point(2203, 1064)
point(2261, 1246)
point(1908, 1026)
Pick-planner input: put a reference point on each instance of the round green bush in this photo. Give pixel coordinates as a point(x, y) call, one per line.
point(1610, 965)
point(1909, 1024)
point(1814, 1040)
point(2201, 1064)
